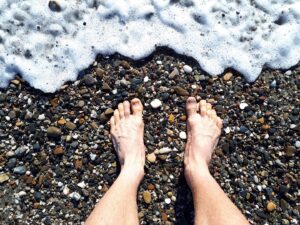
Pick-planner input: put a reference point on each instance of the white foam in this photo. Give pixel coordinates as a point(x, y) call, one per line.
point(49, 48)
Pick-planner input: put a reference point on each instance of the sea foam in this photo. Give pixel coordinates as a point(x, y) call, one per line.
point(50, 42)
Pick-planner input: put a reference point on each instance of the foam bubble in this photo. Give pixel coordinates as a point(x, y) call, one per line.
point(50, 42)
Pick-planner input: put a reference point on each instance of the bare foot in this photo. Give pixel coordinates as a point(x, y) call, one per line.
point(203, 129)
point(127, 132)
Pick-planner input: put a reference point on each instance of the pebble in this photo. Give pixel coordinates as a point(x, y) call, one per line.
point(54, 132)
point(181, 91)
point(70, 126)
point(147, 197)
point(58, 150)
point(89, 80)
point(297, 144)
point(168, 201)
point(20, 170)
point(290, 151)
point(75, 196)
point(81, 103)
point(271, 206)
point(151, 157)
point(81, 185)
point(182, 135)
point(243, 105)
point(108, 112)
point(66, 190)
point(187, 69)
point(227, 76)
point(3, 177)
point(164, 150)
point(156, 103)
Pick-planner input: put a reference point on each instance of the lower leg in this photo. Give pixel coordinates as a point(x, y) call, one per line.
point(118, 206)
point(211, 204)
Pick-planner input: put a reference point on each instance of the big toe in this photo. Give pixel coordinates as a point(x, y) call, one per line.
point(136, 107)
point(191, 106)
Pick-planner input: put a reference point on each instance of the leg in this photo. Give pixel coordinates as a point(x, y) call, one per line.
point(118, 206)
point(212, 206)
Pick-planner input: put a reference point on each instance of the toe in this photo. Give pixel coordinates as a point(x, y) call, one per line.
point(121, 110)
point(136, 107)
point(213, 115)
point(126, 109)
point(191, 106)
point(203, 108)
point(112, 124)
point(219, 122)
point(208, 106)
point(116, 117)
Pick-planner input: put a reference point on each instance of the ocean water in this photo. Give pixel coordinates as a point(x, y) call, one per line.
point(50, 42)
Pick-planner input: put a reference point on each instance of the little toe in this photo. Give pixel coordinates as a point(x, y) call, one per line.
point(191, 106)
point(126, 109)
point(112, 124)
point(121, 110)
point(116, 117)
point(136, 107)
point(219, 122)
point(203, 108)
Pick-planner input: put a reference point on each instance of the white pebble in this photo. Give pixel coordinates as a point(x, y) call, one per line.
point(182, 135)
point(173, 198)
point(292, 126)
point(21, 193)
point(146, 79)
point(41, 117)
point(156, 103)
point(167, 201)
point(93, 114)
point(297, 144)
point(259, 187)
point(289, 72)
point(243, 105)
point(164, 150)
point(187, 69)
point(81, 184)
point(227, 130)
point(93, 156)
point(158, 62)
point(66, 190)
point(74, 195)
point(60, 184)
point(115, 91)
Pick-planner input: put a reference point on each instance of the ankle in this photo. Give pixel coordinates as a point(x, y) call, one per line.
point(133, 173)
point(196, 174)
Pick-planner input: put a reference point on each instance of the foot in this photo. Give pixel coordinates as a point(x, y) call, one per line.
point(127, 132)
point(203, 129)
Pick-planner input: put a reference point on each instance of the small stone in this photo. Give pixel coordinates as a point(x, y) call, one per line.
point(168, 201)
point(12, 162)
point(243, 105)
point(290, 151)
point(61, 122)
point(58, 150)
point(182, 135)
point(261, 120)
point(81, 185)
point(75, 196)
point(265, 127)
point(106, 87)
point(174, 73)
point(164, 150)
point(156, 103)
point(89, 80)
point(164, 216)
point(20, 170)
point(15, 82)
point(81, 103)
point(271, 206)
point(151, 157)
point(125, 65)
point(78, 164)
point(147, 197)
point(150, 187)
point(187, 69)
point(70, 126)
point(54, 132)
point(66, 190)
point(227, 76)
point(181, 91)
point(171, 118)
point(3, 177)
point(297, 144)
point(108, 112)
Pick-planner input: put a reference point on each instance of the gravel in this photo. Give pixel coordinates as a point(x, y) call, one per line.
point(56, 158)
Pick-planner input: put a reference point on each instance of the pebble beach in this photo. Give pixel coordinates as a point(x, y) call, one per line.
point(57, 160)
